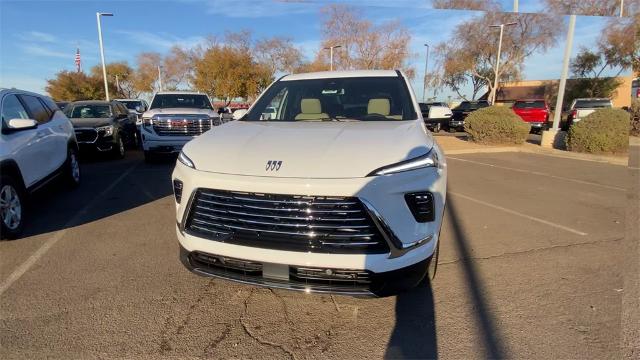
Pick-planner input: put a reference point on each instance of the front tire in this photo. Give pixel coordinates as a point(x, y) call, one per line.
point(436, 128)
point(12, 208)
point(72, 169)
point(118, 151)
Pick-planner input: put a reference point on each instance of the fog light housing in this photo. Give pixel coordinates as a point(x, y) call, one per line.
point(177, 190)
point(421, 206)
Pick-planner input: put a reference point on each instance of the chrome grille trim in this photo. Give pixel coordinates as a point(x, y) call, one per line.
point(86, 135)
point(284, 222)
point(181, 124)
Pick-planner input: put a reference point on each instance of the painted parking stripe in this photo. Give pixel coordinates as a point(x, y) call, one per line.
point(610, 187)
point(513, 212)
point(25, 266)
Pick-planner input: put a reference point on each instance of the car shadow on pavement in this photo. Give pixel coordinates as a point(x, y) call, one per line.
point(414, 335)
point(493, 345)
point(108, 187)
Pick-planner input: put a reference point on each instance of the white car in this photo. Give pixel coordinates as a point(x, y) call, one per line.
point(173, 119)
point(37, 145)
point(342, 190)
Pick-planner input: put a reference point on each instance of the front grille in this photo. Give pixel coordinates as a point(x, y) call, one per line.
point(86, 135)
point(319, 224)
point(181, 125)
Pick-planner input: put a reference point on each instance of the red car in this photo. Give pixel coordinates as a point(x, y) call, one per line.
point(534, 112)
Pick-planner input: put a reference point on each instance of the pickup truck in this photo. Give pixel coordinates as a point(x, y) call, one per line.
point(581, 108)
point(462, 111)
point(435, 115)
point(533, 112)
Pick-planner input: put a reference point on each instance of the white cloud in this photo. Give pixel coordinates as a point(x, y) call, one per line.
point(38, 50)
point(37, 36)
point(162, 41)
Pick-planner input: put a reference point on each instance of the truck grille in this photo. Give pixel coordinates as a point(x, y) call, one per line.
point(181, 125)
point(86, 135)
point(318, 224)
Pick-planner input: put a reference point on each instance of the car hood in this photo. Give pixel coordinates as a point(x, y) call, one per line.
point(189, 111)
point(307, 149)
point(90, 122)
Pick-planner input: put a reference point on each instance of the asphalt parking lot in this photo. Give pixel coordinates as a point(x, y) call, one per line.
point(529, 267)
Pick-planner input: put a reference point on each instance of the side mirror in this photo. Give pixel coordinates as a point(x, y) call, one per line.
point(139, 109)
point(21, 124)
point(238, 114)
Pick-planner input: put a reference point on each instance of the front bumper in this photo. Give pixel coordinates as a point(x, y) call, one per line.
point(162, 144)
point(456, 123)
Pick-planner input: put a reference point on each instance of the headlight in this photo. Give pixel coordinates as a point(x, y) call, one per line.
point(424, 161)
point(185, 160)
point(105, 130)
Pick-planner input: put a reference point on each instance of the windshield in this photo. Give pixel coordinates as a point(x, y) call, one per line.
point(131, 104)
point(529, 105)
point(194, 101)
point(591, 104)
point(90, 111)
point(357, 98)
point(466, 105)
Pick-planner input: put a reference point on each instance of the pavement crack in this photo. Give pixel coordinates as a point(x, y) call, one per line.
point(257, 338)
point(529, 251)
point(213, 344)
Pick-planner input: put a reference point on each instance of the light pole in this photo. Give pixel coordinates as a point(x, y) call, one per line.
point(104, 68)
point(424, 82)
point(159, 79)
point(515, 6)
point(565, 73)
point(621, 7)
point(330, 48)
point(495, 80)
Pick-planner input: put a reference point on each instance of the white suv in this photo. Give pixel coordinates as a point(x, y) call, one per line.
point(37, 144)
point(342, 189)
point(173, 119)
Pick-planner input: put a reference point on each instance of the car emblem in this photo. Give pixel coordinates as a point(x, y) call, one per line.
point(273, 165)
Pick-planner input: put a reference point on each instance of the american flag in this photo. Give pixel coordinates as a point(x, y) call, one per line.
point(78, 62)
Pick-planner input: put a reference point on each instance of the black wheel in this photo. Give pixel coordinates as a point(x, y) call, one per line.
point(118, 150)
point(432, 266)
point(72, 168)
point(12, 208)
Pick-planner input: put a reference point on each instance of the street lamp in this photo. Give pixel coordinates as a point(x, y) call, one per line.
point(159, 78)
point(330, 48)
point(424, 82)
point(104, 68)
point(621, 7)
point(495, 80)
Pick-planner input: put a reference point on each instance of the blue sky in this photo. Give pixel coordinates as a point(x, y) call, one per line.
point(39, 38)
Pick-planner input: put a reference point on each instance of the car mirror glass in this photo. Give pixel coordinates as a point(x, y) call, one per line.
point(21, 124)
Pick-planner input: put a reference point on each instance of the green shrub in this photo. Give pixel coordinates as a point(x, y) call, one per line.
point(635, 118)
point(496, 125)
point(603, 131)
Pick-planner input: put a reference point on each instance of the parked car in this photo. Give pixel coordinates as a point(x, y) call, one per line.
point(62, 104)
point(173, 119)
point(136, 107)
point(534, 112)
point(37, 145)
point(581, 108)
point(103, 127)
point(342, 191)
point(461, 112)
point(435, 116)
point(635, 89)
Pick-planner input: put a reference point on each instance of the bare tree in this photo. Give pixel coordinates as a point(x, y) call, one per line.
point(146, 79)
point(363, 44)
point(486, 5)
point(590, 7)
point(279, 54)
point(470, 55)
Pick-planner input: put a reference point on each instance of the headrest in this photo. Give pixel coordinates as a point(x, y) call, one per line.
point(310, 106)
point(379, 106)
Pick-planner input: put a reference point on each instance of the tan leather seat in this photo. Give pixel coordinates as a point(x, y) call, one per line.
point(311, 110)
point(379, 106)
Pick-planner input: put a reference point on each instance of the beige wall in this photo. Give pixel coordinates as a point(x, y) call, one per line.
point(621, 98)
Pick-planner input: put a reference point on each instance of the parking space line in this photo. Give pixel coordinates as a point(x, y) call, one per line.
point(513, 212)
point(25, 266)
point(610, 187)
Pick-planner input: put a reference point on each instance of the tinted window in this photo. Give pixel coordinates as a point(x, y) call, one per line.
point(162, 101)
point(468, 105)
point(358, 98)
point(131, 104)
point(12, 109)
point(529, 105)
point(90, 111)
point(424, 107)
point(591, 104)
point(36, 109)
